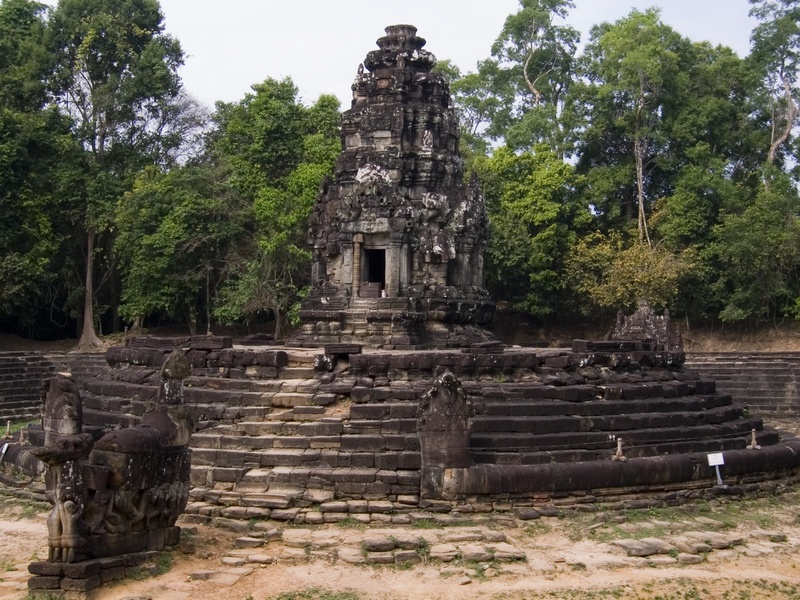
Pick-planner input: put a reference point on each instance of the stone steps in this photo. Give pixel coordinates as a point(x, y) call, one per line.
point(591, 440)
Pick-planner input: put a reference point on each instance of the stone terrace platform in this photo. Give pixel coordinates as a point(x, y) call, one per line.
point(281, 430)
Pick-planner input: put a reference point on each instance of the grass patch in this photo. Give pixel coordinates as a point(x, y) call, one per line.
point(161, 563)
point(17, 508)
point(349, 523)
point(426, 524)
point(15, 427)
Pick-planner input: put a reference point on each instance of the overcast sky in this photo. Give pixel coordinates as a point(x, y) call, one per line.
point(231, 45)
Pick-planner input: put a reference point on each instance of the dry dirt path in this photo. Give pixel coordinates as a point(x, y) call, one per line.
point(744, 549)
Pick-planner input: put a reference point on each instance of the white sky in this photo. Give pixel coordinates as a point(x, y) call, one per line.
point(231, 45)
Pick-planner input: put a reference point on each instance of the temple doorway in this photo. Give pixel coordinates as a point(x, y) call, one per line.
point(373, 273)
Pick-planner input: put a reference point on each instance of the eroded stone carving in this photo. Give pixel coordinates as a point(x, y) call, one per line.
point(645, 324)
point(444, 422)
point(122, 493)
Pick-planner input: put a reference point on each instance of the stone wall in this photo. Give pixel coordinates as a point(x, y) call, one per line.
point(282, 431)
point(295, 434)
point(767, 382)
point(22, 374)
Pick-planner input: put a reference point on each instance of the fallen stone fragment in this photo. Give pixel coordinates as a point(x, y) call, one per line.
point(262, 559)
point(297, 538)
point(475, 553)
point(380, 558)
point(772, 536)
point(636, 547)
point(233, 561)
point(404, 557)
point(378, 544)
point(444, 552)
point(464, 581)
point(248, 542)
point(689, 559)
point(351, 556)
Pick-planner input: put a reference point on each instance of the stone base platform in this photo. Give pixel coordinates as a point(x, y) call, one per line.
point(76, 580)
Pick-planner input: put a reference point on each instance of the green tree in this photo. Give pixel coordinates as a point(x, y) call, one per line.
point(35, 150)
point(275, 152)
point(537, 56)
point(775, 54)
point(176, 231)
point(116, 76)
point(757, 250)
point(533, 213)
point(632, 71)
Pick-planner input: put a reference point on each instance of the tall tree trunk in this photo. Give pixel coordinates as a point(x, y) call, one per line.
point(89, 340)
point(640, 149)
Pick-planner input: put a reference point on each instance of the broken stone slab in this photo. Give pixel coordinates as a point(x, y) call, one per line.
point(506, 552)
point(443, 552)
point(661, 546)
point(405, 557)
point(635, 547)
point(760, 548)
point(314, 518)
point(718, 541)
point(286, 514)
point(380, 558)
point(474, 552)
point(661, 560)
point(233, 525)
point(409, 542)
point(495, 536)
point(691, 546)
point(721, 555)
point(772, 536)
point(689, 559)
point(297, 538)
point(293, 555)
point(233, 561)
point(351, 556)
point(267, 531)
point(324, 539)
point(261, 559)
point(383, 544)
point(248, 542)
point(528, 514)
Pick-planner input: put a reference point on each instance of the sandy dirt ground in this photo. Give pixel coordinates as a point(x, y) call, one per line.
point(565, 557)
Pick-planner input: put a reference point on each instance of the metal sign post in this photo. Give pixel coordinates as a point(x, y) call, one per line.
point(715, 459)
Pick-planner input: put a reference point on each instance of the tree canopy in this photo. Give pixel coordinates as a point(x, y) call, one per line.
point(641, 164)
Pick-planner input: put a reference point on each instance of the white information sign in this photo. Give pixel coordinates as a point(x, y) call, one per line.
point(715, 459)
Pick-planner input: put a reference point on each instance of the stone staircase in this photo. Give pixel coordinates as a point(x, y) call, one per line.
point(276, 437)
point(766, 382)
point(21, 376)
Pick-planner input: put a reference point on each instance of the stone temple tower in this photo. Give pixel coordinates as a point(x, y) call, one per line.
point(397, 237)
